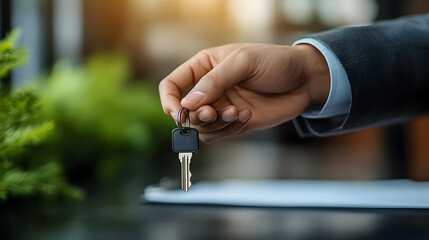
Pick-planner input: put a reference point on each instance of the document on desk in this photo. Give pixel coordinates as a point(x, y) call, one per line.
point(401, 194)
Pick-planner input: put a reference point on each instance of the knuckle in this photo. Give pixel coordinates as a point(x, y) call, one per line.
point(199, 58)
point(161, 86)
point(245, 55)
point(244, 52)
point(203, 52)
point(202, 58)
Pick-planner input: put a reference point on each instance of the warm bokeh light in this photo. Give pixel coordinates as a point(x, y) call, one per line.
point(253, 18)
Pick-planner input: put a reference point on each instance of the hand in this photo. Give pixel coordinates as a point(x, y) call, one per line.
point(242, 87)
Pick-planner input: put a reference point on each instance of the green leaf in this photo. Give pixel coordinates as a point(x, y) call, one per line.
point(11, 57)
point(45, 180)
point(9, 41)
point(33, 134)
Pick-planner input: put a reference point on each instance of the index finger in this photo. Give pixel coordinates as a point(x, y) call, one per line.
point(183, 78)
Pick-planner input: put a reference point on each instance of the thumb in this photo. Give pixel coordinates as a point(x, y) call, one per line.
point(212, 86)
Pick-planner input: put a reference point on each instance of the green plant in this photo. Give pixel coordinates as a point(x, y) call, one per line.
point(102, 118)
point(76, 124)
point(22, 129)
point(11, 57)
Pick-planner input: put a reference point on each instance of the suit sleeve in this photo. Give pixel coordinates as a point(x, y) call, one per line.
point(387, 64)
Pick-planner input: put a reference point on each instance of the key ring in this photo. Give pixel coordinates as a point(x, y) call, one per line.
point(179, 120)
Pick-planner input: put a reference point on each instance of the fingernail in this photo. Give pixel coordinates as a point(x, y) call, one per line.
point(205, 116)
point(244, 116)
point(193, 98)
point(229, 115)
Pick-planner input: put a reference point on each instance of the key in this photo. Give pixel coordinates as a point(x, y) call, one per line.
point(185, 142)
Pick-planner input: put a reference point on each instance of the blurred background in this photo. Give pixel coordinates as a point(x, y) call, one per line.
point(94, 67)
point(80, 119)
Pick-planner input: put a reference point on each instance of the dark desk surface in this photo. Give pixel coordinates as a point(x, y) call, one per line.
point(117, 217)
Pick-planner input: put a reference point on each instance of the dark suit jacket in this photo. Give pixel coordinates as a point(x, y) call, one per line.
point(387, 64)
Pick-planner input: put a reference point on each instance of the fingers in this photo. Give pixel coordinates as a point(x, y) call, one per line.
point(213, 125)
point(231, 129)
point(226, 115)
point(212, 85)
point(210, 113)
point(203, 115)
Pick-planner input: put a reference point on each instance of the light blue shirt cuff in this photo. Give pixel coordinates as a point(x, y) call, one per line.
point(340, 96)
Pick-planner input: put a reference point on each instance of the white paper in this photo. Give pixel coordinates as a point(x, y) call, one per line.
point(299, 193)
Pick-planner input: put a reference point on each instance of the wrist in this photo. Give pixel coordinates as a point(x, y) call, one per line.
point(316, 73)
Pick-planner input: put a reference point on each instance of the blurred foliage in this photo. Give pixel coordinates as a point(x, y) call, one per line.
point(22, 128)
point(76, 124)
point(10, 56)
point(102, 118)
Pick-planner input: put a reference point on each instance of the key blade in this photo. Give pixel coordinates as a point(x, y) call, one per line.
point(185, 174)
point(185, 160)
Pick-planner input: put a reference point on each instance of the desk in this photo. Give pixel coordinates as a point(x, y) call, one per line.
point(117, 217)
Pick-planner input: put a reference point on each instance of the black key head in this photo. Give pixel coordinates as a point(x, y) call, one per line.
point(185, 141)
